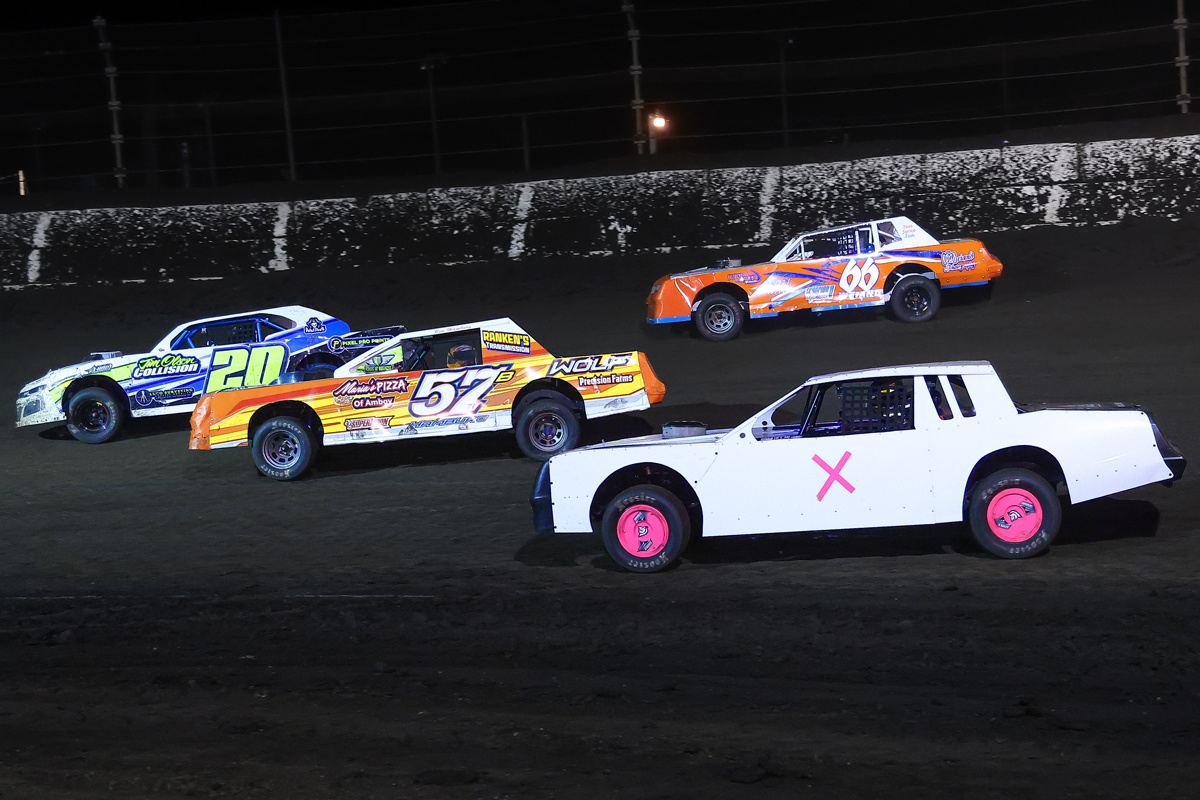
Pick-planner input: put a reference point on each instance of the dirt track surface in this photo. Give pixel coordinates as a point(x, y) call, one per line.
point(172, 624)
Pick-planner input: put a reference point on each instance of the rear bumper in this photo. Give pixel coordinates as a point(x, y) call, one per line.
point(539, 499)
point(1171, 456)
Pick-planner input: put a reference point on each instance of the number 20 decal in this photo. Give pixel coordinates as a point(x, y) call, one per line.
point(456, 391)
point(855, 278)
point(239, 367)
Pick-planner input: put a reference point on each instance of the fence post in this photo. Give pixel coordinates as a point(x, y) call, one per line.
point(437, 152)
point(635, 70)
point(783, 87)
point(287, 109)
point(114, 105)
point(1182, 60)
point(525, 139)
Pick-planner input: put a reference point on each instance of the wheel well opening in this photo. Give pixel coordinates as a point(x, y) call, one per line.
point(731, 289)
point(289, 408)
point(1034, 459)
point(656, 475)
point(99, 382)
point(549, 389)
point(908, 269)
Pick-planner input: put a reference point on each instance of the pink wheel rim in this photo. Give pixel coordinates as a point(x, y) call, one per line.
point(643, 531)
point(1014, 515)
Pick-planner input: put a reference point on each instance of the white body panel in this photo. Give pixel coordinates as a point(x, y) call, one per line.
point(750, 484)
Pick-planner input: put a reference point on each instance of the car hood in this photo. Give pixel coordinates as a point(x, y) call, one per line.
point(716, 268)
point(657, 440)
point(59, 374)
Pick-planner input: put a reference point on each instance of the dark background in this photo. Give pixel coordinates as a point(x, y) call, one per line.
point(504, 86)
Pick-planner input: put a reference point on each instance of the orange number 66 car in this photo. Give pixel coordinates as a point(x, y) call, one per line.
point(888, 261)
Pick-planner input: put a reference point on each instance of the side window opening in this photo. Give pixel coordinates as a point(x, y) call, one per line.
point(939, 399)
point(446, 351)
point(838, 409)
point(887, 233)
point(961, 395)
point(864, 241)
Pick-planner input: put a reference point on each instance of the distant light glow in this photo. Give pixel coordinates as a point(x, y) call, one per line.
point(658, 121)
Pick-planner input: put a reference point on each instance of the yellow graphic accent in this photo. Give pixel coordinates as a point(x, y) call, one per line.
point(240, 367)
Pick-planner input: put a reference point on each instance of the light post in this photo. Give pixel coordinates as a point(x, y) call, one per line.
point(657, 126)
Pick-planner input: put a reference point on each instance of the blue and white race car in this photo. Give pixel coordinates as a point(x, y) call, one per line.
point(96, 396)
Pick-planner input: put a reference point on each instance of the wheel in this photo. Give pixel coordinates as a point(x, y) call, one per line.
point(94, 415)
point(719, 317)
point(283, 448)
point(915, 298)
point(545, 428)
point(1014, 513)
point(645, 529)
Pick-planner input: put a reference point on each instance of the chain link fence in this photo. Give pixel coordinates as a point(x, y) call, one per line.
point(490, 86)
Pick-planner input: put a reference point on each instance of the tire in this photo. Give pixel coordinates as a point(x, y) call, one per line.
point(645, 529)
point(915, 298)
point(283, 448)
point(719, 317)
point(1014, 513)
point(318, 369)
point(545, 428)
point(94, 415)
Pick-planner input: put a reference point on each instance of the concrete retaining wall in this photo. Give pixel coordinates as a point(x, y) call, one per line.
point(954, 193)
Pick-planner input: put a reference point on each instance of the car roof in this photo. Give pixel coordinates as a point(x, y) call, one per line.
point(905, 370)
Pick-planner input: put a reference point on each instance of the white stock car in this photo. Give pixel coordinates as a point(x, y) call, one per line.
point(908, 445)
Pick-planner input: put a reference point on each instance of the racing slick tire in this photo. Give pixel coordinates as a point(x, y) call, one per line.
point(915, 298)
point(1014, 513)
point(94, 415)
point(545, 428)
point(645, 529)
point(283, 448)
point(719, 317)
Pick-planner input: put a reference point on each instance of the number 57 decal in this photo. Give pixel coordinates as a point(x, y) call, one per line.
point(453, 391)
point(239, 367)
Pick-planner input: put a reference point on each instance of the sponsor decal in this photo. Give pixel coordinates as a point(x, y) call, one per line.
point(748, 277)
point(92, 370)
point(504, 342)
point(818, 294)
point(337, 344)
point(146, 397)
point(604, 380)
point(576, 366)
point(379, 363)
point(169, 364)
point(957, 262)
point(367, 423)
point(372, 393)
point(462, 421)
point(777, 282)
point(314, 325)
point(861, 295)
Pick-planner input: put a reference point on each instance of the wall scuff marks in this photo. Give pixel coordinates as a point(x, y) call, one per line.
point(954, 193)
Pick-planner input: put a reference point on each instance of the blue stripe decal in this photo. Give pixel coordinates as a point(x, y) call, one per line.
point(661, 320)
point(960, 285)
point(934, 254)
point(764, 314)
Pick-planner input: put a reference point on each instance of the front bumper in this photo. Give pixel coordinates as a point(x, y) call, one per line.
point(37, 408)
point(539, 499)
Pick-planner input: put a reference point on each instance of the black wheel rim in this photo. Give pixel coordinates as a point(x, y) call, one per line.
point(719, 318)
point(547, 431)
point(281, 449)
point(916, 299)
point(94, 417)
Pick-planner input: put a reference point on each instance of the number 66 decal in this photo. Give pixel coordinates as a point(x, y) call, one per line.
point(855, 278)
point(454, 391)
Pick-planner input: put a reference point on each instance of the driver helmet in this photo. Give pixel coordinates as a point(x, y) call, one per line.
point(461, 356)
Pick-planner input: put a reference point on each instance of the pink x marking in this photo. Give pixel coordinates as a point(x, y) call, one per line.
point(834, 475)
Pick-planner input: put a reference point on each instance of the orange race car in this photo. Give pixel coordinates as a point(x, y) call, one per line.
point(889, 261)
point(482, 376)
